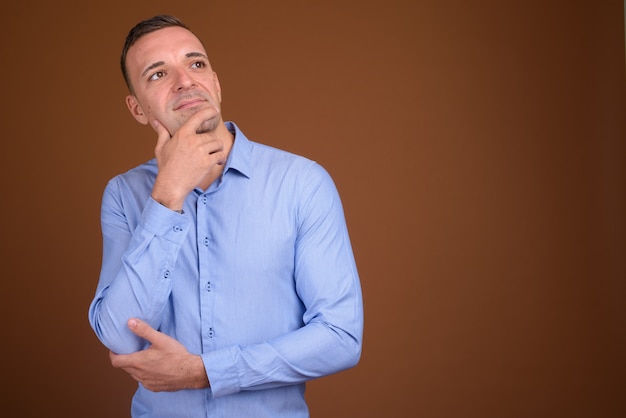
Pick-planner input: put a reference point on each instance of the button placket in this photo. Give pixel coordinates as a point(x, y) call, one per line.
point(207, 282)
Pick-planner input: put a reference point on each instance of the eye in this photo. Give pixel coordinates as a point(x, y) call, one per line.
point(198, 64)
point(157, 75)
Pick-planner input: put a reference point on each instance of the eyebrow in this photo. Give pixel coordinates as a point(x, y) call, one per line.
point(152, 66)
point(159, 63)
point(196, 54)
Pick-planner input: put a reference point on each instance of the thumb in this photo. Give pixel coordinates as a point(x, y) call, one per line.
point(143, 330)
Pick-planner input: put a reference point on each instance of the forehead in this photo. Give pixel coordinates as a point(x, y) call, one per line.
point(167, 44)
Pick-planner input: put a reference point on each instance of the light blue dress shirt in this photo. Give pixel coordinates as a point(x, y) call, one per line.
point(257, 277)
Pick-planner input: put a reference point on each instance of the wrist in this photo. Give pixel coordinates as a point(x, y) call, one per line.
point(173, 205)
point(198, 378)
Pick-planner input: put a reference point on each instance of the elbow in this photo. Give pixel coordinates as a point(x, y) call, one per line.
point(351, 348)
point(119, 342)
point(114, 335)
point(354, 350)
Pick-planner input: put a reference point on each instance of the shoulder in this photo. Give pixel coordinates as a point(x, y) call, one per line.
point(136, 182)
point(285, 163)
point(141, 173)
point(279, 155)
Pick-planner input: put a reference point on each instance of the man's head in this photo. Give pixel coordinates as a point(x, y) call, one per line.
point(168, 74)
point(143, 28)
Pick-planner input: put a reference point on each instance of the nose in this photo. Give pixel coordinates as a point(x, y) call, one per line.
point(183, 81)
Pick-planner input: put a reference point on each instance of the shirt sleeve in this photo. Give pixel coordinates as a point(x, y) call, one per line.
point(328, 284)
point(138, 259)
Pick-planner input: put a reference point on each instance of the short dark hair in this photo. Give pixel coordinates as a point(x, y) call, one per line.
point(143, 28)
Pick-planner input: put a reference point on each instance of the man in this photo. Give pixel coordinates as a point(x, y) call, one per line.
point(228, 278)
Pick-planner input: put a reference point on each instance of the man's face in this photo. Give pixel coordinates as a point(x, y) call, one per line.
point(171, 78)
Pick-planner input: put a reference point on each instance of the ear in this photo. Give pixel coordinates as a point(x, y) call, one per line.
point(136, 110)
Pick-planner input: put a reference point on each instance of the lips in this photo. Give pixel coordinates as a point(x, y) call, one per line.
point(189, 102)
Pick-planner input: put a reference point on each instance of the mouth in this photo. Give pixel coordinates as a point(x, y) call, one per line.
point(188, 103)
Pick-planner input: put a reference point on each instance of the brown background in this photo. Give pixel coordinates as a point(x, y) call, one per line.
point(480, 150)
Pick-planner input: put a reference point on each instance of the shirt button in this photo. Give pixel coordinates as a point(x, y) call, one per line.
point(166, 274)
point(208, 286)
point(211, 333)
point(177, 228)
point(205, 241)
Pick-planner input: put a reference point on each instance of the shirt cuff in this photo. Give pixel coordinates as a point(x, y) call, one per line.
point(164, 222)
point(221, 369)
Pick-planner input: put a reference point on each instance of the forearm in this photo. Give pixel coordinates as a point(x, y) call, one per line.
point(315, 350)
point(135, 282)
point(196, 377)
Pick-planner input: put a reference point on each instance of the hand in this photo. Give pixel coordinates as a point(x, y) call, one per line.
point(165, 366)
point(187, 157)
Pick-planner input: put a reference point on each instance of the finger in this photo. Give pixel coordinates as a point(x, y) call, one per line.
point(119, 361)
point(162, 132)
point(143, 330)
point(201, 121)
point(219, 154)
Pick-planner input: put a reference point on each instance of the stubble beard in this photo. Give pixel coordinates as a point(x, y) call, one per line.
point(208, 125)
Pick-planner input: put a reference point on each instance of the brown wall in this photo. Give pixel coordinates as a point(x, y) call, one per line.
point(480, 150)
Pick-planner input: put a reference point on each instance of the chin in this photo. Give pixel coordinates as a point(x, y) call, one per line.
point(208, 125)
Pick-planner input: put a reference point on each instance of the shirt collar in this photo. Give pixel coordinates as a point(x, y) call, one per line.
point(240, 153)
